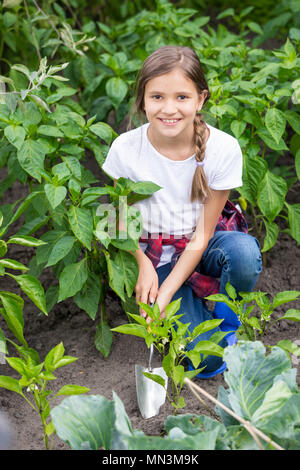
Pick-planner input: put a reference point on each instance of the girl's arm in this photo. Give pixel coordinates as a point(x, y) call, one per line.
point(146, 288)
point(194, 250)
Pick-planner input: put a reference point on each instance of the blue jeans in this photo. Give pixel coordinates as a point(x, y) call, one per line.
point(233, 257)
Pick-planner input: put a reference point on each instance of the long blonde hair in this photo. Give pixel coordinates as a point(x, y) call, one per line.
point(160, 62)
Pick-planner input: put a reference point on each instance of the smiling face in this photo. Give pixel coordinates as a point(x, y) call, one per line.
point(171, 101)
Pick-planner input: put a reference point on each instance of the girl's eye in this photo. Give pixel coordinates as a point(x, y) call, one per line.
point(182, 96)
point(156, 96)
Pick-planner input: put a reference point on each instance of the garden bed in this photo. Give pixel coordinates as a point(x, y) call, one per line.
point(67, 323)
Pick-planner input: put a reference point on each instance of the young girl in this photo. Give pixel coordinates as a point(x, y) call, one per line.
point(194, 240)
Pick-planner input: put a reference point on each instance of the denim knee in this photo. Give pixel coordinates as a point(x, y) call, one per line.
point(243, 256)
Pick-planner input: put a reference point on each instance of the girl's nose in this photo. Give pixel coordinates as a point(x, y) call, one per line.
point(169, 107)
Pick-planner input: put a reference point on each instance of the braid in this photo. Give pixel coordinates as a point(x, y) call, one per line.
point(200, 186)
point(200, 129)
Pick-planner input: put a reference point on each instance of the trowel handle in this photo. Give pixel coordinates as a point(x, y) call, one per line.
point(150, 358)
point(151, 350)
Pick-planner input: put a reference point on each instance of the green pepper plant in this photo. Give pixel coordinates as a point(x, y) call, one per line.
point(171, 337)
point(33, 383)
point(255, 324)
point(35, 374)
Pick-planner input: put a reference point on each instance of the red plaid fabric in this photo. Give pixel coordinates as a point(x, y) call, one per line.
point(231, 219)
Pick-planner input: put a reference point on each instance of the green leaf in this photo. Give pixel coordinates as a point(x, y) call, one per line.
point(26, 240)
point(61, 172)
point(290, 50)
point(61, 93)
point(255, 27)
point(103, 338)
point(3, 348)
point(274, 399)
point(33, 289)
point(72, 390)
point(73, 165)
point(85, 422)
point(270, 141)
point(275, 121)
point(284, 297)
point(55, 194)
point(51, 131)
point(38, 100)
point(283, 424)
point(131, 329)
point(13, 314)
point(148, 309)
point(297, 163)
point(15, 135)
point(250, 374)
point(12, 4)
point(292, 314)
point(60, 249)
point(72, 279)
point(125, 244)
point(64, 361)
point(231, 291)
point(254, 323)
point(255, 169)
point(271, 196)
point(205, 326)
point(209, 348)
point(50, 238)
point(288, 345)
point(138, 318)
point(145, 187)
point(116, 90)
point(89, 296)
point(12, 264)
point(116, 280)
point(22, 207)
point(294, 220)
point(54, 356)
point(26, 370)
point(94, 193)
point(238, 128)
point(81, 223)
point(156, 378)
point(128, 266)
point(31, 158)
point(293, 119)
point(10, 384)
point(103, 130)
point(272, 232)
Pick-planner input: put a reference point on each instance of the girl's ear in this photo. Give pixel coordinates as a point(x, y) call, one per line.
point(202, 98)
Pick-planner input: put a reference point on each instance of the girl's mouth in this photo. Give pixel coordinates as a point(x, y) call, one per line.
point(170, 122)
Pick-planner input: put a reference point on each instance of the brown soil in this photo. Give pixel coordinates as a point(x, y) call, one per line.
point(76, 330)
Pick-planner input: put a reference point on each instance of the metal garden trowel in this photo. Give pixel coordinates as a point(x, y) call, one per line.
point(150, 395)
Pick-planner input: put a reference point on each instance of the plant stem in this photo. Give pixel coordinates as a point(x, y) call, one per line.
point(247, 424)
point(258, 232)
point(30, 403)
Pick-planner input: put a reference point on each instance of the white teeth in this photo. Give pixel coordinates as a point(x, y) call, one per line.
point(170, 120)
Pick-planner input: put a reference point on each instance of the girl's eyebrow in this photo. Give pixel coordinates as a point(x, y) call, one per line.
point(177, 92)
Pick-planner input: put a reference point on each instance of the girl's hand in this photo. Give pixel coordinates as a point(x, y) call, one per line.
point(163, 299)
point(146, 288)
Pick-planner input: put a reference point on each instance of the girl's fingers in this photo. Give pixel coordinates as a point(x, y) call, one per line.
point(153, 295)
point(144, 299)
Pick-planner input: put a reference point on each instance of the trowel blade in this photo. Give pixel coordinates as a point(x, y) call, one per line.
point(150, 395)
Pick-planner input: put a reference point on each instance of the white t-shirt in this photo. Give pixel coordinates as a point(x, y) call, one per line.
point(169, 209)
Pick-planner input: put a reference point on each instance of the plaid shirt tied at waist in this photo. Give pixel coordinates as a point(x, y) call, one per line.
point(231, 219)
